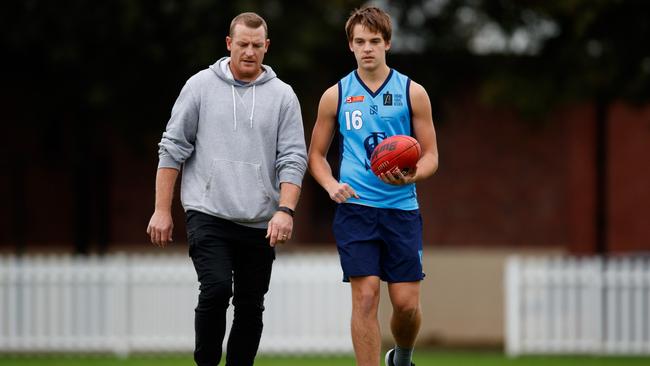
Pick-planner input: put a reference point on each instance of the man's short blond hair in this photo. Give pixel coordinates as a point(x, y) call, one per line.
point(251, 20)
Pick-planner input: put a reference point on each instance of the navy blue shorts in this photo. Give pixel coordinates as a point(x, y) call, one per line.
point(379, 242)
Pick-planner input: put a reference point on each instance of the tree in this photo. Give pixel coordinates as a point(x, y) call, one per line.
point(81, 73)
point(535, 54)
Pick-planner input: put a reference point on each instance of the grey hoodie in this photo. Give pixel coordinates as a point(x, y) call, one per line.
point(236, 144)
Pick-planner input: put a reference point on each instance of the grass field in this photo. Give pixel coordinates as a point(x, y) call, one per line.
point(421, 359)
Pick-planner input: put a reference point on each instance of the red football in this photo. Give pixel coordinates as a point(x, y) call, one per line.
point(399, 151)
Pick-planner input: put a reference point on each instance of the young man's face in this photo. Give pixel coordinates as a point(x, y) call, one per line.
point(369, 48)
point(247, 47)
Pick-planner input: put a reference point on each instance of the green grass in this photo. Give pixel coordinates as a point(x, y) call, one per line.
point(421, 359)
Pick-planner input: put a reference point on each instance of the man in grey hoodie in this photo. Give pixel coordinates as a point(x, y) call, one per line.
point(236, 129)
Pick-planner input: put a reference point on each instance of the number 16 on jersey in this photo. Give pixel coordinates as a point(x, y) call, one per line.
point(355, 122)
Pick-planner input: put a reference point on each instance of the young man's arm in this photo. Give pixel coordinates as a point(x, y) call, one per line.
point(321, 138)
point(425, 133)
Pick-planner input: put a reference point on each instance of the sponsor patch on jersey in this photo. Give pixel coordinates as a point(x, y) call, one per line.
point(397, 100)
point(354, 99)
point(388, 98)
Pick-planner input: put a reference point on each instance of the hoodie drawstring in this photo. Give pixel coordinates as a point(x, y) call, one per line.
point(234, 108)
point(253, 108)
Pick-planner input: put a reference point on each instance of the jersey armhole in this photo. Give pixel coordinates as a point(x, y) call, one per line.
point(408, 102)
point(338, 105)
point(337, 174)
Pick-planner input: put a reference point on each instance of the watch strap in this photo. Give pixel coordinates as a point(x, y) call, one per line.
point(287, 210)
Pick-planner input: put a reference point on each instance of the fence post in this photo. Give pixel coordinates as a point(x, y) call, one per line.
point(513, 306)
point(117, 314)
point(4, 294)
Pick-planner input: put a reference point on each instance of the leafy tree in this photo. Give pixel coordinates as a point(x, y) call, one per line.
point(80, 72)
point(536, 54)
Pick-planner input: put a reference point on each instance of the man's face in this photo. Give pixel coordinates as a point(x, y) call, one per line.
point(369, 48)
point(247, 47)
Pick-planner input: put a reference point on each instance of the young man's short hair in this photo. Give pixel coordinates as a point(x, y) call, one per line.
point(373, 19)
point(251, 20)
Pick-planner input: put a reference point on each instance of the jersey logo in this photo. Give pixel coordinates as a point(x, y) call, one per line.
point(354, 99)
point(374, 109)
point(370, 143)
point(397, 100)
point(388, 98)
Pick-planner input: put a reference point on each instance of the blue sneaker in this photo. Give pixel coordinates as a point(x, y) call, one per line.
point(389, 358)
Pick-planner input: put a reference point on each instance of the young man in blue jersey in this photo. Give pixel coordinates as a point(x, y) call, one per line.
point(377, 226)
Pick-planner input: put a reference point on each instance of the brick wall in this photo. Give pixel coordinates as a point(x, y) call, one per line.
point(502, 182)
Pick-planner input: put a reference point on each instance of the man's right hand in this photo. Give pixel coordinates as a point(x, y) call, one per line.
point(340, 192)
point(160, 228)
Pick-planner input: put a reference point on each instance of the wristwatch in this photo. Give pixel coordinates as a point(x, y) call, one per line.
point(286, 209)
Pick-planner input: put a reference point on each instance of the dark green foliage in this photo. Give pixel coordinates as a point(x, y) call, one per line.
point(599, 49)
point(81, 77)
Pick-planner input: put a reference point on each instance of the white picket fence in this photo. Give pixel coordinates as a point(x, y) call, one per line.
point(137, 303)
point(570, 305)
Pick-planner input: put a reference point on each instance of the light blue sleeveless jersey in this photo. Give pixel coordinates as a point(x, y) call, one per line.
point(364, 120)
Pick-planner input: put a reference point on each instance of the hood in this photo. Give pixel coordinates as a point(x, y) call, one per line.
point(223, 72)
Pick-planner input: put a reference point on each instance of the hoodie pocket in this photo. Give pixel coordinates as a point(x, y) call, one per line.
point(235, 190)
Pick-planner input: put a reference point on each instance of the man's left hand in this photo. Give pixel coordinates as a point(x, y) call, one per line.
point(280, 228)
point(397, 178)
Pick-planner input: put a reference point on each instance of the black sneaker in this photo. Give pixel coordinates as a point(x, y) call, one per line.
point(389, 358)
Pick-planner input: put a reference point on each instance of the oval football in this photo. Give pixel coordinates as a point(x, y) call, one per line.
point(399, 151)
